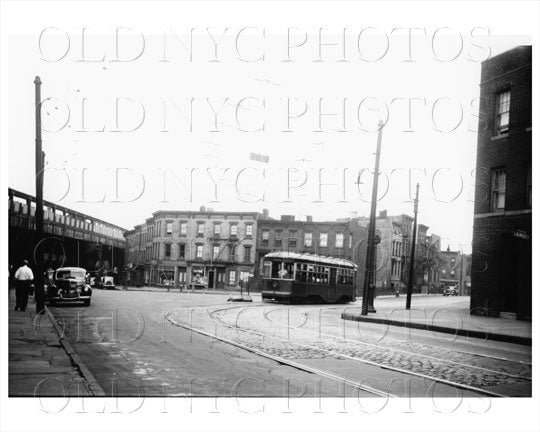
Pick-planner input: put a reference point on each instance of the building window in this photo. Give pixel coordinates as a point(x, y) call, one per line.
point(232, 277)
point(198, 252)
point(503, 112)
point(232, 252)
point(169, 228)
point(167, 250)
point(183, 228)
point(339, 240)
point(265, 237)
point(217, 229)
point(215, 252)
point(323, 241)
point(200, 229)
point(308, 239)
point(498, 189)
point(350, 241)
point(292, 238)
point(247, 254)
point(181, 251)
point(234, 229)
point(278, 239)
point(249, 230)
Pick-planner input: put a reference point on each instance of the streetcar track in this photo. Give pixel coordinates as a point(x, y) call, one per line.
point(225, 309)
point(287, 362)
point(409, 352)
point(404, 371)
point(421, 343)
point(457, 350)
point(335, 354)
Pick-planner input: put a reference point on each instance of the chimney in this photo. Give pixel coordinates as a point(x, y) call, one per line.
point(288, 218)
point(202, 209)
point(265, 213)
point(383, 214)
point(354, 215)
point(309, 218)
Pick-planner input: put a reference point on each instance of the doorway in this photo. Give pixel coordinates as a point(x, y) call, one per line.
point(211, 279)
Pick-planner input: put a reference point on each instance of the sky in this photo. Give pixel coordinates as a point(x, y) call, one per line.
point(138, 122)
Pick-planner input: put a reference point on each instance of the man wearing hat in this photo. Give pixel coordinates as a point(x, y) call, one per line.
point(23, 279)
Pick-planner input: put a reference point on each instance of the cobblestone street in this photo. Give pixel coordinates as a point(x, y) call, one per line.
point(303, 332)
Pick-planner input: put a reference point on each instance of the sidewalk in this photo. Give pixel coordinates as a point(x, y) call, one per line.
point(41, 362)
point(184, 291)
point(452, 319)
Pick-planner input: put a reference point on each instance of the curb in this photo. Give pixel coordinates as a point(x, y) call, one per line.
point(520, 340)
point(186, 292)
point(91, 382)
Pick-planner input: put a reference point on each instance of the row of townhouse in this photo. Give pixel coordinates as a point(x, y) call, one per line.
point(204, 248)
point(219, 249)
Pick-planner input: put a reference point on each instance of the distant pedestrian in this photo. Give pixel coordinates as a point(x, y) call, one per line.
point(11, 274)
point(23, 279)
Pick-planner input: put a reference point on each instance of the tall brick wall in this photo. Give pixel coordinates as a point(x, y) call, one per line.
point(500, 279)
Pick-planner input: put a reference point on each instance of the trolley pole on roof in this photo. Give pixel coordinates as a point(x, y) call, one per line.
point(413, 247)
point(373, 240)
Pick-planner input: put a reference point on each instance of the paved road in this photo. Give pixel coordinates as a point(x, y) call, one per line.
point(128, 342)
point(132, 350)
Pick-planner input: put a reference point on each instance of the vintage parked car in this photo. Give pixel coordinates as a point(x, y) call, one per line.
point(107, 282)
point(450, 291)
point(69, 284)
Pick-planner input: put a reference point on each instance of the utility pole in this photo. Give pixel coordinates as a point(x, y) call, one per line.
point(413, 248)
point(40, 163)
point(368, 290)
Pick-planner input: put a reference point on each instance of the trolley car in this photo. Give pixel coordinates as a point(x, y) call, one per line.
point(309, 278)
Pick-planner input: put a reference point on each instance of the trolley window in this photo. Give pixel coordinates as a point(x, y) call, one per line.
point(345, 277)
point(282, 270)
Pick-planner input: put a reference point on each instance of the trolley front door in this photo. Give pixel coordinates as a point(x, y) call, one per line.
point(332, 288)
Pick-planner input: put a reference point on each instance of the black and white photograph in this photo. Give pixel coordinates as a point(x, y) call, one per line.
point(233, 215)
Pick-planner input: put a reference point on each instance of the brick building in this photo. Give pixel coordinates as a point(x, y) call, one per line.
point(343, 238)
point(204, 248)
point(453, 270)
point(287, 234)
point(501, 250)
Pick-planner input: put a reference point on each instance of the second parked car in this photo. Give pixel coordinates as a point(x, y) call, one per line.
point(450, 291)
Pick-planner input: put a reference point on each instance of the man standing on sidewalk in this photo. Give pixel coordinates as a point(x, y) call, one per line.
point(23, 278)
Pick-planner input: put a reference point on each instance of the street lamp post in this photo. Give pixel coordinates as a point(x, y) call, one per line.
point(413, 248)
point(368, 290)
point(40, 163)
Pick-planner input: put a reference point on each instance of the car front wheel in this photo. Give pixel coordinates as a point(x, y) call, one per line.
point(87, 302)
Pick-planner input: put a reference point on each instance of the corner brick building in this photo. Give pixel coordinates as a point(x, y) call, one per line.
point(501, 250)
point(188, 248)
